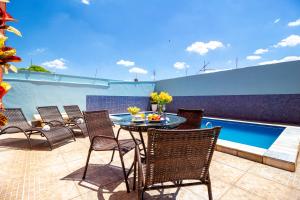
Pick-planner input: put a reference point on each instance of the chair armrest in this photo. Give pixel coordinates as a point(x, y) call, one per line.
point(15, 127)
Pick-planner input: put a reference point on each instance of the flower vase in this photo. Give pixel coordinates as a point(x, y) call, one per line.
point(154, 107)
point(161, 109)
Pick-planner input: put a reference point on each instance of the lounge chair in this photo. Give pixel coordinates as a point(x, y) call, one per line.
point(174, 158)
point(102, 138)
point(74, 114)
point(51, 114)
point(193, 118)
point(17, 123)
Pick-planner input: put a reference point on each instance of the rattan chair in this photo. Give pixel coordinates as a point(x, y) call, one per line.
point(102, 138)
point(51, 114)
point(193, 118)
point(175, 157)
point(17, 123)
point(74, 113)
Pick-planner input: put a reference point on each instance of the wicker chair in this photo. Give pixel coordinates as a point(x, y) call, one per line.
point(175, 156)
point(74, 113)
point(102, 138)
point(194, 118)
point(51, 114)
point(19, 124)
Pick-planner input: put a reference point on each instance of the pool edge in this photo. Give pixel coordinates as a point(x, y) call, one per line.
point(282, 154)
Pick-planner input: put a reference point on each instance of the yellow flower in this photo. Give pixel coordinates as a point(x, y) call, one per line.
point(133, 110)
point(164, 98)
point(154, 97)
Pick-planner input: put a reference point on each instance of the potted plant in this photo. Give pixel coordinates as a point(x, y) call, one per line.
point(154, 101)
point(133, 111)
point(7, 54)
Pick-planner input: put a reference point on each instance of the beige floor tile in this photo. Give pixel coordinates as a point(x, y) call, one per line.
point(263, 187)
point(225, 173)
point(218, 189)
point(44, 174)
point(280, 176)
point(236, 193)
point(233, 161)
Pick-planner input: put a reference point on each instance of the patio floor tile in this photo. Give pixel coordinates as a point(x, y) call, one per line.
point(44, 174)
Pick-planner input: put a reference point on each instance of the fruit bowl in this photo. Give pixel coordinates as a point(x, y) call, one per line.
point(154, 118)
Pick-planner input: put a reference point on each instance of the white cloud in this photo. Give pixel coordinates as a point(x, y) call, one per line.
point(294, 23)
point(208, 71)
point(180, 65)
point(86, 2)
point(291, 41)
point(56, 64)
point(37, 51)
point(202, 48)
point(285, 59)
point(138, 70)
point(261, 51)
point(125, 63)
point(253, 57)
point(276, 21)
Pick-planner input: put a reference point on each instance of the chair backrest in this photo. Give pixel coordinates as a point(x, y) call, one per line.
point(17, 118)
point(73, 111)
point(179, 154)
point(50, 113)
point(98, 123)
point(193, 118)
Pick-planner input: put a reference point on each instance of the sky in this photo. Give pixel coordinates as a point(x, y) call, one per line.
point(122, 39)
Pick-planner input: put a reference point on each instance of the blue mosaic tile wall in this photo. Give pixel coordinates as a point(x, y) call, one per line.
point(116, 104)
point(283, 108)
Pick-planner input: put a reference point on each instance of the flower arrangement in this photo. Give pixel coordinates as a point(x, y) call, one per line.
point(164, 98)
point(7, 54)
point(133, 110)
point(161, 99)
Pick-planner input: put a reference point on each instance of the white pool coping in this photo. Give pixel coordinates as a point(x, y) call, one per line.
point(283, 153)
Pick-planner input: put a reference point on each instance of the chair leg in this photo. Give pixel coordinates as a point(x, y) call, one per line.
point(142, 197)
point(134, 171)
point(112, 156)
point(28, 140)
point(124, 171)
point(210, 197)
point(87, 163)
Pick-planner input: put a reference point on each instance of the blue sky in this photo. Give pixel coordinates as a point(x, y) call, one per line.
point(120, 38)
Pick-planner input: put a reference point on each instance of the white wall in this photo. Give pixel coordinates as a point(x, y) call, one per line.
point(282, 78)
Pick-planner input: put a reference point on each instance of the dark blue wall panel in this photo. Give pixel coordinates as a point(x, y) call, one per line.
point(115, 104)
point(283, 108)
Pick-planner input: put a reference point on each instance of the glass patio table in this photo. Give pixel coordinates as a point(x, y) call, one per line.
point(125, 122)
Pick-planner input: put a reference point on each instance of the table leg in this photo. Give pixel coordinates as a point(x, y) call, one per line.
point(143, 143)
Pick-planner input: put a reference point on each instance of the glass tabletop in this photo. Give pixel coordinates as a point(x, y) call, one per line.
point(171, 120)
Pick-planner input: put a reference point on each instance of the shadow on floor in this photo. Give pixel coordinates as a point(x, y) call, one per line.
point(22, 144)
point(105, 179)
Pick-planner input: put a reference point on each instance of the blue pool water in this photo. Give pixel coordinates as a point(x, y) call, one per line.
point(257, 135)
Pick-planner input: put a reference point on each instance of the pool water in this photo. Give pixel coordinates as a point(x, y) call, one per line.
point(257, 135)
point(262, 136)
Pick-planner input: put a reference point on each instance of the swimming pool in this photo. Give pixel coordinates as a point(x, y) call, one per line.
point(262, 136)
point(257, 135)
